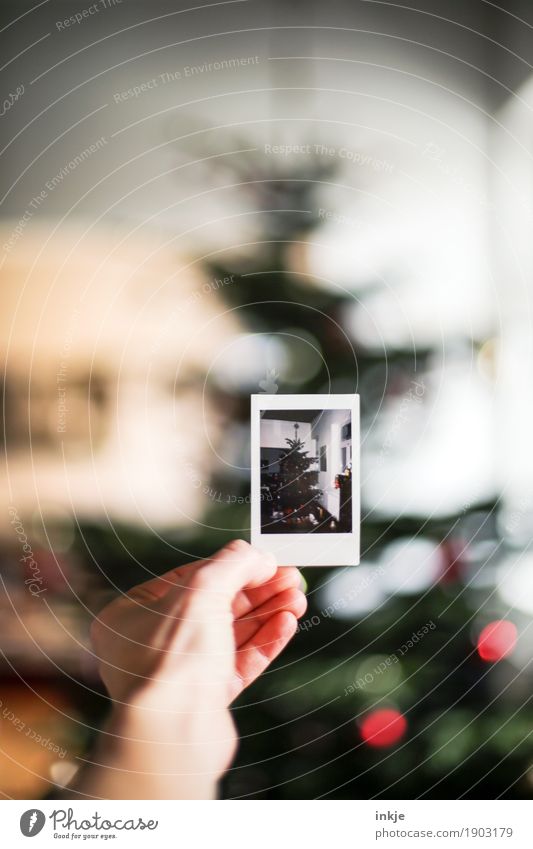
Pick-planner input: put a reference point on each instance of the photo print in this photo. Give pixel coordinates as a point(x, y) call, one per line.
point(305, 478)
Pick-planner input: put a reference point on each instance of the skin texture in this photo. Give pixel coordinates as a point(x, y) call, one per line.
point(174, 653)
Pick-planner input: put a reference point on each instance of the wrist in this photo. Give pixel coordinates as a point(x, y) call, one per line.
point(164, 751)
point(145, 718)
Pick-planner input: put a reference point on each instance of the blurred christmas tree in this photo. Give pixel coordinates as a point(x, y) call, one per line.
point(427, 724)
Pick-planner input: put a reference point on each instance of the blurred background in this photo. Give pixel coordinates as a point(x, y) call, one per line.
point(200, 202)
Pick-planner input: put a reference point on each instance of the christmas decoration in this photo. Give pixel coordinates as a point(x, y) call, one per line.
point(295, 488)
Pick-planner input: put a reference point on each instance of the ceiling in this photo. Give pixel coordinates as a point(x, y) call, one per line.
point(291, 415)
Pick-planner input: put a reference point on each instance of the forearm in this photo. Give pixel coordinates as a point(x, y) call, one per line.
point(140, 756)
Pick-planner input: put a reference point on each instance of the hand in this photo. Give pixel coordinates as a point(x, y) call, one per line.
point(176, 650)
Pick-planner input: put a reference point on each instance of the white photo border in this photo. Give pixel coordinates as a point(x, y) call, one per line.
point(306, 549)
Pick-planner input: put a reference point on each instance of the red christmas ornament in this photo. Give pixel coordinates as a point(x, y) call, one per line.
point(383, 727)
point(497, 640)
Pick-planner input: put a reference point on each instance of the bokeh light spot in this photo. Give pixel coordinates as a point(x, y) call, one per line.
point(383, 727)
point(497, 640)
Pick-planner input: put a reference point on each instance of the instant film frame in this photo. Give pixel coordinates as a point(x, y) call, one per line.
point(305, 505)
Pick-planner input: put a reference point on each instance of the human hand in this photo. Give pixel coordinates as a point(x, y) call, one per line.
point(176, 650)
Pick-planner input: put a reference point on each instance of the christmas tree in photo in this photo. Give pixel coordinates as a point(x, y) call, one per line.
point(298, 494)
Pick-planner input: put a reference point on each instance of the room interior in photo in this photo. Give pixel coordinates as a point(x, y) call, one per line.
point(306, 471)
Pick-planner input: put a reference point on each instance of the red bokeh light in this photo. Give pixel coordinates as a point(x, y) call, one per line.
point(497, 640)
point(383, 727)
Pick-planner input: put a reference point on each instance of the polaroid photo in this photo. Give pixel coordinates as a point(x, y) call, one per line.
point(305, 478)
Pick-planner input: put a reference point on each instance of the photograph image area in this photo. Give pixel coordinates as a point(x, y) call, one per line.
point(306, 471)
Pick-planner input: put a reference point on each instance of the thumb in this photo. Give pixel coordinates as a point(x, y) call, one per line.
point(234, 567)
point(216, 581)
